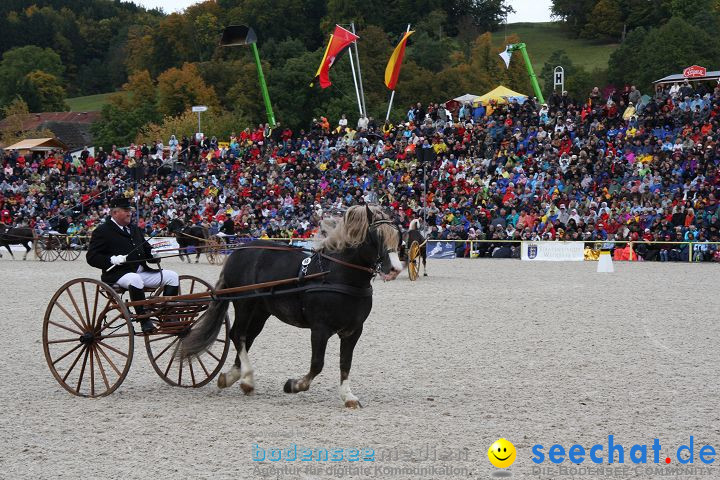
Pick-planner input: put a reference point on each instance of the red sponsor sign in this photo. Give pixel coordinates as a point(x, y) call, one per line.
point(694, 71)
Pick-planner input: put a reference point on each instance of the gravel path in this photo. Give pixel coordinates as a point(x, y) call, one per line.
point(538, 353)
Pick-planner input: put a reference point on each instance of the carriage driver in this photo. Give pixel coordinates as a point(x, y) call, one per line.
point(120, 250)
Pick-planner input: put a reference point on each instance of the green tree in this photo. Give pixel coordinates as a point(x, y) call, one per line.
point(128, 112)
point(484, 14)
point(575, 13)
point(429, 44)
point(623, 60)
point(648, 14)
point(701, 13)
point(206, 27)
point(664, 50)
point(282, 19)
point(140, 49)
point(293, 99)
point(244, 95)
point(117, 126)
point(606, 21)
point(18, 62)
point(43, 92)
point(139, 97)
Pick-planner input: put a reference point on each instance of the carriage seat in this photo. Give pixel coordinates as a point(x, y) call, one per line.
point(120, 290)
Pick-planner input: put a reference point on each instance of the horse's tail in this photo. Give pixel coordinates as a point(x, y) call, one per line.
point(206, 329)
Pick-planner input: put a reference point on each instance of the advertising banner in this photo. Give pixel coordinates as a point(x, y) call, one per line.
point(553, 251)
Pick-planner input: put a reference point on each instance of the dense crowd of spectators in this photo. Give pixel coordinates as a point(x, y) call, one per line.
point(616, 167)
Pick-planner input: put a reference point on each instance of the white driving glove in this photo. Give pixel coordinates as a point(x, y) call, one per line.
point(118, 259)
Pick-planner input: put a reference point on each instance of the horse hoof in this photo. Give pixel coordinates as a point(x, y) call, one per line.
point(247, 389)
point(290, 386)
point(424, 274)
point(354, 404)
point(222, 383)
point(196, 261)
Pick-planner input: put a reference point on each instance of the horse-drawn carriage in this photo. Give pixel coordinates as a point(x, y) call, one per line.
point(48, 246)
point(415, 250)
point(196, 239)
point(88, 335)
point(51, 246)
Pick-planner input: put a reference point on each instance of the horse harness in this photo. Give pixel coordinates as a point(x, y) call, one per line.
point(318, 256)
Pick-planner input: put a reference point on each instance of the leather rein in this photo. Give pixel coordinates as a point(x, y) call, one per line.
point(371, 271)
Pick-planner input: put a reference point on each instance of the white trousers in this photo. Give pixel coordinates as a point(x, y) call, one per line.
point(143, 279)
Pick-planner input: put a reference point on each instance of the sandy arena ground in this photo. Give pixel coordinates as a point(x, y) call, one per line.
point(538, 353)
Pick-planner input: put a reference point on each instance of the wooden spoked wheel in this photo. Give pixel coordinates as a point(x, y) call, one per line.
point(414, 260)
point(88, 338)
point(68, 251)
point(214, 247)
point(47, 249)
point(162, 348)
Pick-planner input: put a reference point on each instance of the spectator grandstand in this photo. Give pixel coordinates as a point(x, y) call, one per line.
point(620, 166)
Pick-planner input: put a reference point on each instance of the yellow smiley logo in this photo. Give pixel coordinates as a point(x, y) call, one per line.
point(502, 453)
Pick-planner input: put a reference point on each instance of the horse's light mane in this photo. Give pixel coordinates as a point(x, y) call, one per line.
point(337, 234)
point(414, 224)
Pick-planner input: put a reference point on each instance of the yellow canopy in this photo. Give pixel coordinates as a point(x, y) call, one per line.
point(499, 94)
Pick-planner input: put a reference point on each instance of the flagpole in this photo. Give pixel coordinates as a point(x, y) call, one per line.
point(357, 92)
point(363, 113)
point(392, 95)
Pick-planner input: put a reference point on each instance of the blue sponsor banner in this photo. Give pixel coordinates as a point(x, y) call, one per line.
point(440, 249)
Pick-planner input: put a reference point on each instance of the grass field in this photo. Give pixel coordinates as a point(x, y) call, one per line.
point(544, 38)
point(91, 103)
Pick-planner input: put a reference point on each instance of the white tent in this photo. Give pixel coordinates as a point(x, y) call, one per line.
point(467, 98)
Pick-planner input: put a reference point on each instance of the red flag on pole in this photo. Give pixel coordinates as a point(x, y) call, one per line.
point(339, 41)
point(392, 71)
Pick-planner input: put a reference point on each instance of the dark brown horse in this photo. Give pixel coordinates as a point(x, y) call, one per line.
point(16, 236)
point(336, 303)
point(191, 236)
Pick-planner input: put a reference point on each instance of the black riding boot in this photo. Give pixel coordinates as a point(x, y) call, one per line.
point(137, 295)
point(170, 290)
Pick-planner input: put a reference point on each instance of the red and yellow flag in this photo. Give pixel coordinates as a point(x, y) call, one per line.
point(392, 71)
point(339, 41)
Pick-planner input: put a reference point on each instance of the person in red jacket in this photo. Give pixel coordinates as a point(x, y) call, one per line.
point(5, 217)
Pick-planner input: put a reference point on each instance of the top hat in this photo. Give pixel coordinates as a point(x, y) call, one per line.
point(120, 202)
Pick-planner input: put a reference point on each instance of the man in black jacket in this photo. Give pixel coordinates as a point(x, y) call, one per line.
point(120, 250)
point(228, 228)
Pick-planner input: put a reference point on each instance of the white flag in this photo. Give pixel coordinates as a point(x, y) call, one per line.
point(506, 57)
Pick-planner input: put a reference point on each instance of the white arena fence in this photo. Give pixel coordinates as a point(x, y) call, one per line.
point(561, 251)
point(557, 251)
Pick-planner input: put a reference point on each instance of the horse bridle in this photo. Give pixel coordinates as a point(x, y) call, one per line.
point(381, 250)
